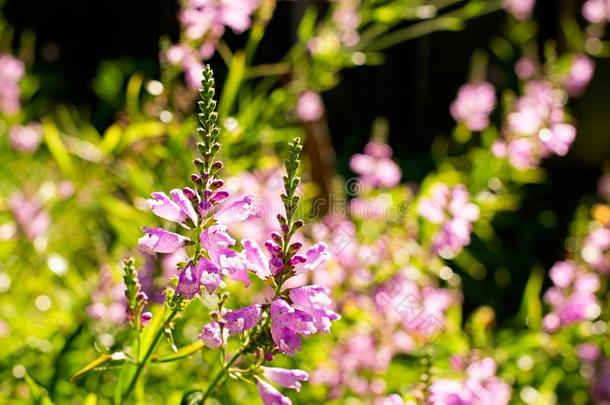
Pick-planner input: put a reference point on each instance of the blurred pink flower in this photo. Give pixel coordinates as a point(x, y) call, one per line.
point(30, 215)
point(108, 302)
point(452, 209)
point(375, 166)
point(310, 107)
point(25, 139)
point(11, 72)
point(596, 11)
point(474, 103)
point(580, 75)
point(521, 9)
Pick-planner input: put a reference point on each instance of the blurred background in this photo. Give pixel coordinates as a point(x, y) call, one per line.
point(86, 51)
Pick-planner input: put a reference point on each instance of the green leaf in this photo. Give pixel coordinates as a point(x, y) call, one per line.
point(103, 359)
point(181, 353)
point(56, 146)
point(231, 87)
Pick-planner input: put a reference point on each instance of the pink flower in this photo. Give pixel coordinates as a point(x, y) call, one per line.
point(375, 167)
point(233, 211)
point(474, 103)
point(287, 323)
point(242, 319)
point(558, 138)
point(310, 107)
point(521, 9)
point(285, 377)
point(217, 242)
point(452, 209)
point(596, 11)
point(108, 302)
point(581, 73)
point(25, 139)
point(30, 215)
point(269, 395)
point(314, 300)
point(596, 249)
point(158, 240)
point(189, 280)
point(11, 72)
point(177, 209)
point(211, 335)
point(479, 387)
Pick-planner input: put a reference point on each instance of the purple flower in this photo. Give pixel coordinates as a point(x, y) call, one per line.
point(189, 280)
point(269, 395)
point(217, 242)
point(474, 103)
point(314, 300)
point(314, 257)
point(158, 240)
point(210, 275)
point(243, 319)
point(285, 377)
point(287, 323)
point(211, 335)
point(25, 139)
point(257, 262)
point(236, 211)
point(375, 167)
point(596, 249)
point(177, 209)
point(310, 107)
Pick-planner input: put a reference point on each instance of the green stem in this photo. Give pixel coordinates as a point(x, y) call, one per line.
point(222, 373)
point(149, 352)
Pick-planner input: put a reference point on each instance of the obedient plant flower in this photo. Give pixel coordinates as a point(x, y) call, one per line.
point(375, 167)
point(11, 73)
point(25, 139)
point(158, 240)
point(474, 104)
point(452, 210)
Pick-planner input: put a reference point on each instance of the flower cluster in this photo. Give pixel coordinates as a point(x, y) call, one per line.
point(203, 23)
point(572, 297)
point(536, 128)
point(452, 210)
point(289, 311)
point(479, 386)
point(375, 166)
point(11, 72)
point(342, 30)
point(474, 104)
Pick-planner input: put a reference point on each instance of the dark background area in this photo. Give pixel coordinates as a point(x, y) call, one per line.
point(413, 90)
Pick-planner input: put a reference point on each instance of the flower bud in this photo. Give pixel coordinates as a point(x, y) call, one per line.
point(145, 318)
